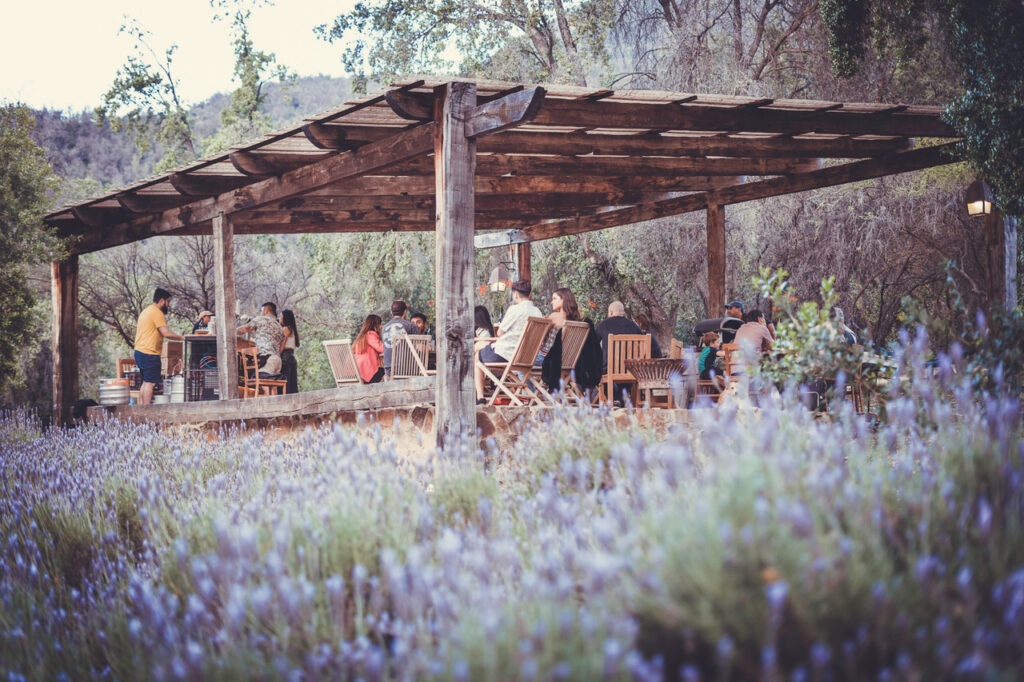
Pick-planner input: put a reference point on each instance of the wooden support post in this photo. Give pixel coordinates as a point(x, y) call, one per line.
point(224, 283)
point(455, 168)
point(1001, 251)
point(64, 290)
point(716, 259)
point(523, 262)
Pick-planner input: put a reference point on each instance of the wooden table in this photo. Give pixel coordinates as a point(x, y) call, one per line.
point(653, 374)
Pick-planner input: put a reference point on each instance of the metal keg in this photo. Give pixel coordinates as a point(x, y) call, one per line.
point(115, 391)
point(177, 391)
point(162, 399)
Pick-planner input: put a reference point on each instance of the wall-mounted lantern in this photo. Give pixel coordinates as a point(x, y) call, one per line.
point(978, 199)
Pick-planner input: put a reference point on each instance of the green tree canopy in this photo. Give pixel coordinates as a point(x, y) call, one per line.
point(26, 186)
point(988, 41)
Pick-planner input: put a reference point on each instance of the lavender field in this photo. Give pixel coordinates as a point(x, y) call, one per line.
point(755, 545)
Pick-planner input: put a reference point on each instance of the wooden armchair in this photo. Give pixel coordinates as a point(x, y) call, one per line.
point(622, 347)
point(250, 383)
point(343, 362)
point(514, 381)
point(574, 335)
point(409, 356)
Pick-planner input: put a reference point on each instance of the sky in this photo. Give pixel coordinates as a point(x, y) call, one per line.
point(64, 55)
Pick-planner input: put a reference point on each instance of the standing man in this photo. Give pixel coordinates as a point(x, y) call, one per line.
point(268, 335)
point(150, 331)
point(392, 328)
point(617, 323)
point(203, 323)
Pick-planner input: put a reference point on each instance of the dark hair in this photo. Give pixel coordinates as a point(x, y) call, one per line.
point(160, 293)
point(398, 308)
point(272, 306)
point(482, 320)
point(752, 315)
point(370, 324)
point(288, 320)
point(522, 286)
point(569, 306)
point(419, 315)
point(643, 322)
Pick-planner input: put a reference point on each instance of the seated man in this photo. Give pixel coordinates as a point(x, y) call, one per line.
point(617, 323)
point(510, 329)
point(733, 320)
point(753, 338)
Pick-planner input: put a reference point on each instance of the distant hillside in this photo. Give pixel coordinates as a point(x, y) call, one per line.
point(77, 148)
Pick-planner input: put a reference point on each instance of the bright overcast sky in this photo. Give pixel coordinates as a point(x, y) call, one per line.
point(64, 55)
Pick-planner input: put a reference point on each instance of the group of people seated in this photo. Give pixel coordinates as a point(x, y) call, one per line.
point(374, 345)
point(751, 332)
point(276, 338)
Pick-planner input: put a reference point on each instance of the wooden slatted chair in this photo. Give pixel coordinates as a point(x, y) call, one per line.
point(574, 335)
point(675, 351)
point(514, 381)
point(409, 356)
point(732, 359)
point(250, 383)
point(343, 362)
point(622, 347)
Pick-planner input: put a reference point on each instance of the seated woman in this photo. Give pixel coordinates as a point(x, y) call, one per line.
point(483, 324)
point(563, 308)
point(289, 368)
point(367, 349)
point(711, 342)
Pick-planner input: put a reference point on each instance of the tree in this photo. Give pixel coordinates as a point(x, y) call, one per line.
point(550, 42)
point(144, 101)
point(988, 45)
point(26, 185)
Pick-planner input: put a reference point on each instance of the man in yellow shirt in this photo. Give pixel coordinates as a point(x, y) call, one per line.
point(150, 332)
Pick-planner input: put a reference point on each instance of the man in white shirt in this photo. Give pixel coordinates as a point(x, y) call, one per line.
point(509, 330)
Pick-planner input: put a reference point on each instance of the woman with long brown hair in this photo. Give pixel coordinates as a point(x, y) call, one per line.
point(367, 348)
point(563, 308)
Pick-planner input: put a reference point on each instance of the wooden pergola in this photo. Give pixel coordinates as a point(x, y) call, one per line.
point(505, 163)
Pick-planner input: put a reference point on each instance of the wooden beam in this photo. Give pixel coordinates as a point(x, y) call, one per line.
point(532, 185)
point(99, 216)
point(493, 240)
point(224, 294)
point(716, 259)
point(324, 403)
point(597, 166)
point(903, 162)
point(578, 144)
point(267, 165)
point(507, 112)
point(196, 185)
point(696, 117)
point(455, 156)
point(151, 203)
point(323, 136)
point(410, 106)
point(523, 264)
point(64, 295)
point(484, 202)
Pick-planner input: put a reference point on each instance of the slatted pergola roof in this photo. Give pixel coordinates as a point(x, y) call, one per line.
point(550, 161)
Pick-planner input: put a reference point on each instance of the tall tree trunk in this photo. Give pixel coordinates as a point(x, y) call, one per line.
point(569, 43)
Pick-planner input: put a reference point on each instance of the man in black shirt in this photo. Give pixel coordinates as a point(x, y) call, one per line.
point(617, 323)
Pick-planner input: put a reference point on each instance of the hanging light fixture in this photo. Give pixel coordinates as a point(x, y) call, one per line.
point(978, 198)
point(498, 281)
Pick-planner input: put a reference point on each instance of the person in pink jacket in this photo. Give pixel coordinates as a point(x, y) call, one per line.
point(367, 348)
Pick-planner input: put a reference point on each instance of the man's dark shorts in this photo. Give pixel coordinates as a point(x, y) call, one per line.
point(149, 365)
point(487, 354)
